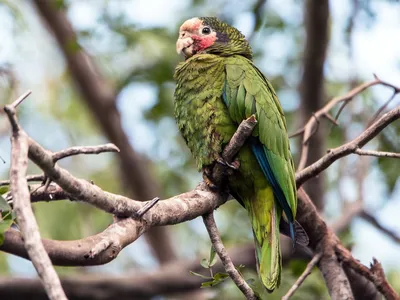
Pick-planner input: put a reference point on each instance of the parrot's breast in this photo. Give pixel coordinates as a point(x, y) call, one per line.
point(202, 117)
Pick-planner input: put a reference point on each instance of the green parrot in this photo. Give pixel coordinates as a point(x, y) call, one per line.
point(218, 86)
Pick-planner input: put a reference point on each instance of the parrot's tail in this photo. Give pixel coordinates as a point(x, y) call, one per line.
point(268, 253)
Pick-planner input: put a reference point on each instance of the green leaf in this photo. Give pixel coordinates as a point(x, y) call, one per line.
point(208, 284)
point(220, 276)
point(239, 268)
point(5, 223)
point(217, 279)
point(213, 259)
point(4, 206)
point(200, 275)
point(205, 263)
point(4, 189)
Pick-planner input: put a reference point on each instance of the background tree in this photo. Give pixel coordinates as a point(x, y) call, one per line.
point(120, 89)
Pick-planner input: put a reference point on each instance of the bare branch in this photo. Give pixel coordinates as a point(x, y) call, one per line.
point(166, 280)
point(219, 248)
point(376, 153)
point(348, 148)
point(85, 150)
point(303, 276)
point(101, 98)
point(38, 177)
point(324, 112)
point(382, 108)
point(373, 221)
point(323, 240)
point(375, 273)
point(22, 207)
point(236, 142)
point(239, 138)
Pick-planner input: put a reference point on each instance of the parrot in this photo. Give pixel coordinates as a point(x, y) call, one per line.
point(217, 87)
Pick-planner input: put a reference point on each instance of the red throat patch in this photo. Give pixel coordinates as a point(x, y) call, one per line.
point(203, 42)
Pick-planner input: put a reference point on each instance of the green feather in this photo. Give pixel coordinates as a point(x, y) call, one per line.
point(215, 91)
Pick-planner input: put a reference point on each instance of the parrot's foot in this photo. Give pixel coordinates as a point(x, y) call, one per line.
point(213, 187)
point(234, 165)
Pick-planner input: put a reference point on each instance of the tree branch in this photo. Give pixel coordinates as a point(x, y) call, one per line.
point(311, 87)
point(308, 129)
point(100, 97)
point(22, 207)
point(348, 148)
point(168, 279)
point(323, 240)
point(85, 150)
point(106, 245)
point(303, 276)
point(376, 153)
point(375, 273)
point(219, 248)
point(373, 221)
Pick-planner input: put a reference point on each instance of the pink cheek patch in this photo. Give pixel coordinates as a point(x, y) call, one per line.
point(203, 42)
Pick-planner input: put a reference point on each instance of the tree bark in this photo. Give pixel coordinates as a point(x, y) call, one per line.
point(316, 18)
point(101, 99)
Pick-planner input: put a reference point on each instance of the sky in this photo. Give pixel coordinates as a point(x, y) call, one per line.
point(376, 50)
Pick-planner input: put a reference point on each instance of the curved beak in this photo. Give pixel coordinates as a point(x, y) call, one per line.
point(184, 44)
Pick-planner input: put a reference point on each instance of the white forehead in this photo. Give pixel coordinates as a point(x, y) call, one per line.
point(191, 25)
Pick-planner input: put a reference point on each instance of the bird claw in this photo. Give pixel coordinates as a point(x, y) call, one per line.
point(234, 165)
point(213, 187)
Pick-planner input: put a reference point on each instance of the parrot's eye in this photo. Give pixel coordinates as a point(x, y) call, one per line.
point(206, 30)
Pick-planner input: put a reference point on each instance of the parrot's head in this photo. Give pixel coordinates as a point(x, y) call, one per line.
point(210, 35)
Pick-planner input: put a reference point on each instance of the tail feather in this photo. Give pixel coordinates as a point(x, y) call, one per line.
point(268, 255)
point(300, 235)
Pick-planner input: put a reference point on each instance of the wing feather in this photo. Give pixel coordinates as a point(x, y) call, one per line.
point(246, 92)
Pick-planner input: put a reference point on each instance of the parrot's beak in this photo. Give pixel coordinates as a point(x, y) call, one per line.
point(184, 44)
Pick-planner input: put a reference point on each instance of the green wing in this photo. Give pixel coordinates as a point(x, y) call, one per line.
point(248, 92)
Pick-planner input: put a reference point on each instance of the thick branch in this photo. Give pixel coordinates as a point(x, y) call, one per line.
point(311, 87)
point(101, 99)
point(22, 207)
point(169, 279)
point(375, 273)
point(323, 240)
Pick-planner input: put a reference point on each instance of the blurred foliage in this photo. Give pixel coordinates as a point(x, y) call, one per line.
point(138, 58)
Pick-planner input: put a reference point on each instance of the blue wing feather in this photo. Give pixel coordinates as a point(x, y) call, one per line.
point(259, 152)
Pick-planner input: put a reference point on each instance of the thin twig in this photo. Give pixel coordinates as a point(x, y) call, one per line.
point(219, 248)
point(22, 207)
point(146, 207)
point(375, 273)
point(303, 276)
point(85, 150)
point(324, 112)
point(348, 148)
point(39, 177)
point(381, 109)
point(376, 153)
point(373, 221)
point(21, 99)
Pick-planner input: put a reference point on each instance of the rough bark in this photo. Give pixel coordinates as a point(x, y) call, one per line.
point(101, 99)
